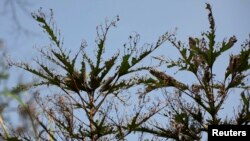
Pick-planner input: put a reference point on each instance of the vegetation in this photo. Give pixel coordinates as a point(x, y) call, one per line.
point(8, 99)
point(93, 102)
point(192, 107)
point(94, 90)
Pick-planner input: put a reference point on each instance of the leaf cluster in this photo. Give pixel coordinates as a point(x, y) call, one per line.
point(94, 87)
point(195, 106)
point(88, 84)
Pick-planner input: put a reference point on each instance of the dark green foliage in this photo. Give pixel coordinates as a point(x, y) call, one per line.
point(88, 84)
point(92, 103)
point(189, 117)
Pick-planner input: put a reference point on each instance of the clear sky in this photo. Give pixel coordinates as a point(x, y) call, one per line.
point(78, 19)
point(150, 18)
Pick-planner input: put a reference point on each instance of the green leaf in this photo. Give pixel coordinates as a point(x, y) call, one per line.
point(133, 124)
point(244, 99)
point(124, 65)
point(65, 61)
point(46, 27)
point(13, 139)
point(100, 51)
point(225, 46)
point(108, 65)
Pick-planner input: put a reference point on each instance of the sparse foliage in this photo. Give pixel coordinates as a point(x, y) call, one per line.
point(7, 98)
point(90, 87)
point(92, 101)
point(192, 107)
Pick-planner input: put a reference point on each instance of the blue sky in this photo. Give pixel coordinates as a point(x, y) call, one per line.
point(78, 20)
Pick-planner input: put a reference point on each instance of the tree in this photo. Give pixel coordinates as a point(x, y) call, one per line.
point(93, 88)
point(92, 98)
point(192, 107)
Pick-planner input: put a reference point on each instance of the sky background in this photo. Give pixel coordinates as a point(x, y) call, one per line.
point(78, 20)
